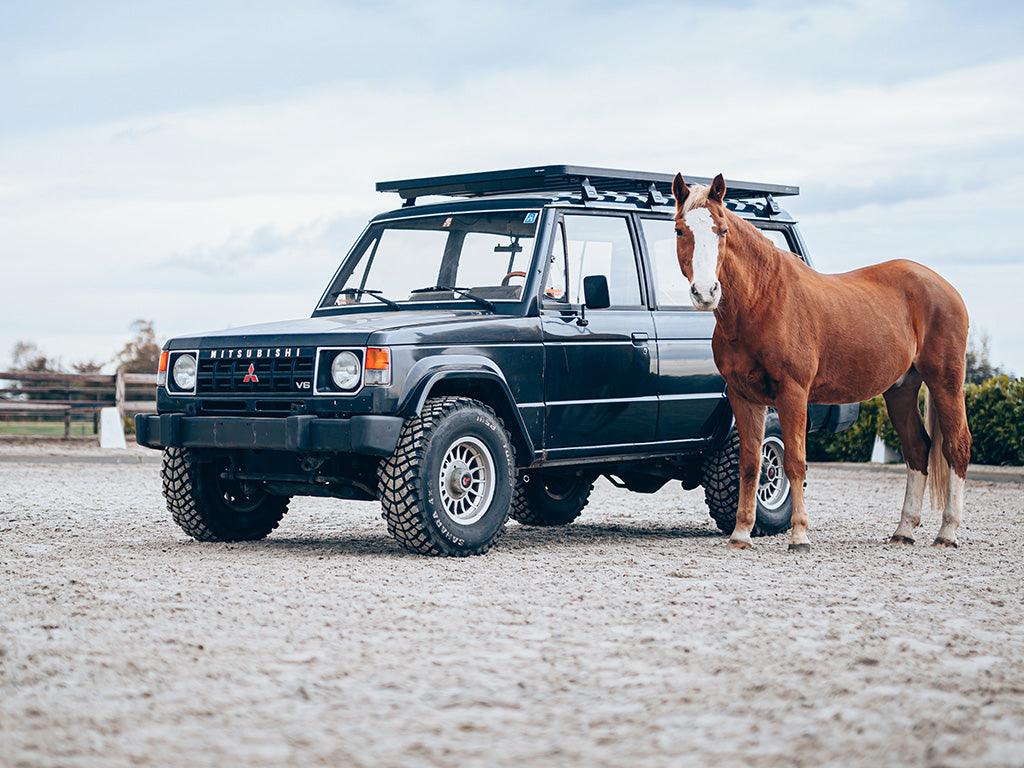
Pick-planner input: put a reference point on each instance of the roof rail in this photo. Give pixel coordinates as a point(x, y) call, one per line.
point(566, 178)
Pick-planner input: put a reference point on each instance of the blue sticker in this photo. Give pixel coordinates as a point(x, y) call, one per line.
point(530, 218)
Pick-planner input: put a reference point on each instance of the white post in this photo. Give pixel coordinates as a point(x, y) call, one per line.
point(112, 429)
point(881, 453)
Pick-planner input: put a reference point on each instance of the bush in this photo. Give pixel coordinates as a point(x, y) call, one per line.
point(995, 414)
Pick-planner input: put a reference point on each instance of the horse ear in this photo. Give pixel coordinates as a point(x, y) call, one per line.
point(717, 191)
point(679, 189)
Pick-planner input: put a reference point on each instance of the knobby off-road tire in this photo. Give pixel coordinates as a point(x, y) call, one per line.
point(208, 509)
point(721, 481)
point(551, 500)
point(420, 484)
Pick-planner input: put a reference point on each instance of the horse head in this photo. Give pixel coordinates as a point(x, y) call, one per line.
point(701, 229)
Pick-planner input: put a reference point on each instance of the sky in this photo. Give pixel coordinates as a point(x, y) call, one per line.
point(207, 165)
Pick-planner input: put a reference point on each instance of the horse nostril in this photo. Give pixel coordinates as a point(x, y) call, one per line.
point(716, 288)
point(694, 291)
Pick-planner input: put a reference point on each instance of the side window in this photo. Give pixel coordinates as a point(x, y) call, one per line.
point(671, 288)
point(778, 238)
point(593, 245)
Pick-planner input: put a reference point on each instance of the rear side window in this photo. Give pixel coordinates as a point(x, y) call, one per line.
point(671, 288)
point(778, 238)
point(593, 245)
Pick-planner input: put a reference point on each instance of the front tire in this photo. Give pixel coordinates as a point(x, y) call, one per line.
point(447, 488)
point(721, 481)
point(550, 500)
point(209, 508)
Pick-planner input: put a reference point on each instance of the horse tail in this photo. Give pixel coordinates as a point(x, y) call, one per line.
point(938, 466)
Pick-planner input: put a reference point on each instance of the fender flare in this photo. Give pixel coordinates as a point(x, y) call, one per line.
point(428, 372)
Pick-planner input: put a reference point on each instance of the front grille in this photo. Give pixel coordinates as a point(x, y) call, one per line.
point(270, 375)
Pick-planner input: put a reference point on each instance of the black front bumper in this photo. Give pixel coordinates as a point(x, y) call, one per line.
point(377, 435)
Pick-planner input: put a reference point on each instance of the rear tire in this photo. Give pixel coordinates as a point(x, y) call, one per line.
point(447, 488)
point(721, 481)
point(551, 500)
point(209, 508)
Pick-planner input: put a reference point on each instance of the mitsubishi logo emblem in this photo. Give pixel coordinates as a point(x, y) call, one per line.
point(251, 376)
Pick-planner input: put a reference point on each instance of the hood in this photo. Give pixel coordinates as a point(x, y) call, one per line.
point(346, 329)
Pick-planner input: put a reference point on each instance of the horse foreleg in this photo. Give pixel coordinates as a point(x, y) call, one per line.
point(901, 403)
point(750, 426)
point(792, 407)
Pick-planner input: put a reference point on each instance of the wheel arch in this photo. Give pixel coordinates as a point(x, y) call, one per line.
point(479, 380)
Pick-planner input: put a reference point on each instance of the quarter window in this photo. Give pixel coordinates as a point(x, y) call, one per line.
point(671, 288)
point(593, 245)
point(778, 238)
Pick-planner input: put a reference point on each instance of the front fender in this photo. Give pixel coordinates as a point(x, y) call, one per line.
point(454, 371)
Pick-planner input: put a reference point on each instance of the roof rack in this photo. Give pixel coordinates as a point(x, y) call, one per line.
point(568, 178)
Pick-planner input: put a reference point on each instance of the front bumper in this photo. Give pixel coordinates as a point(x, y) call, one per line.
point(377, 435)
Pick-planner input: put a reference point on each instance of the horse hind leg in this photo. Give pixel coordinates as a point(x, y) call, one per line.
point(901, 403)
point(951, 453)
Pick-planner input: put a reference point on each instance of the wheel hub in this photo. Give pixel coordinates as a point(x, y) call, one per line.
point(460, 479)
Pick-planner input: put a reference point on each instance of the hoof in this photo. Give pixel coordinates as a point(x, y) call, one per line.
point(904, 541)
point(739, 544)
point(945, 543)
point(805, 547)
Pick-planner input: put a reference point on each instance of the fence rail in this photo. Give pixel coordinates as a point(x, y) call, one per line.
point(74, 394)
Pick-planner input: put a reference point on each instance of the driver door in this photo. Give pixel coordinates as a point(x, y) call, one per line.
point(600, 372)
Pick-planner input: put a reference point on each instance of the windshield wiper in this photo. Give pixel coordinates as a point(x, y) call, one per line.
point(465, 292)
point(378, 295)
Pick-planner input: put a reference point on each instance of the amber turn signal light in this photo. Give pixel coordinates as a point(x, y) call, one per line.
point(377, 366)
point(161, 369)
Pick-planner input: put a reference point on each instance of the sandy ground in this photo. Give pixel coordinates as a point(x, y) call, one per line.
point(633, 637)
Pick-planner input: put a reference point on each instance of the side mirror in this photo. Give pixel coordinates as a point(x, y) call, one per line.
point(595, 292)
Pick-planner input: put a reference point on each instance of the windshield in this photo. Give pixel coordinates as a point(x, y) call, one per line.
point(485, 254)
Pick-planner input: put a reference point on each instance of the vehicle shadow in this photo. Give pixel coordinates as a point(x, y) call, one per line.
point(522, 538)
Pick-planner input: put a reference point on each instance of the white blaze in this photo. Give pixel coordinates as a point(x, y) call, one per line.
point(705, 250)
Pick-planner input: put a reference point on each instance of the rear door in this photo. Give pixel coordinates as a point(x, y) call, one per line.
point(600, 375)
point(690, 389)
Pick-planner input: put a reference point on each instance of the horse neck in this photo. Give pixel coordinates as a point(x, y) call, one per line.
point(749, 274)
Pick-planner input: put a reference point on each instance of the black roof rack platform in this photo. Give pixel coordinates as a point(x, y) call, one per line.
point(565, 178)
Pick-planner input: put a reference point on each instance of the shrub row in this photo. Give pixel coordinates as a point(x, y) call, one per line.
point(995, 413)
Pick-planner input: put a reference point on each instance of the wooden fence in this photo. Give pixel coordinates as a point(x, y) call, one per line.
point(65, 396)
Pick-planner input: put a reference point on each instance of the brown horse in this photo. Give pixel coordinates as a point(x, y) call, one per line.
point(787, 336)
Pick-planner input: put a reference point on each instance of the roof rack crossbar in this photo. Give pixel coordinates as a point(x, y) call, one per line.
point(550, 179)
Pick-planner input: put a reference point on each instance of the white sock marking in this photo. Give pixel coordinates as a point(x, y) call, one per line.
point(913, 500)
point(953, 514)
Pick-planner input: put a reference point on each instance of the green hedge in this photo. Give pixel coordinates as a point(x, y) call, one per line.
point(995, 413)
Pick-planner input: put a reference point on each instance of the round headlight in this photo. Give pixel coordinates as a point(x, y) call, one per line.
point(184, 372)
point(345, 371)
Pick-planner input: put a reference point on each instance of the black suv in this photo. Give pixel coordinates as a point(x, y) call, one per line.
point(472, 359)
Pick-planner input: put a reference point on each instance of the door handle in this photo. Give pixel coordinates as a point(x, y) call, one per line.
point(639, 337)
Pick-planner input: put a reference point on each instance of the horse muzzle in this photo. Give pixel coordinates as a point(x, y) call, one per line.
point(706, 300)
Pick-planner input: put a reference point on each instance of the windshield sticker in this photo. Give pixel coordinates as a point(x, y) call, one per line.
point(447, 222)
point(530, 218)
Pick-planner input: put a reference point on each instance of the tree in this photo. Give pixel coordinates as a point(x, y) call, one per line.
point(141, 354)
point(979, 358)
point(87, 366)
point(26, 356)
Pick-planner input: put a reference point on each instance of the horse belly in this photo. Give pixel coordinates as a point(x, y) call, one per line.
point(859, 372)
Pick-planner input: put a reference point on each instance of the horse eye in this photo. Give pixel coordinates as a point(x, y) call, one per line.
point(723, 232)
point(679, 233)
